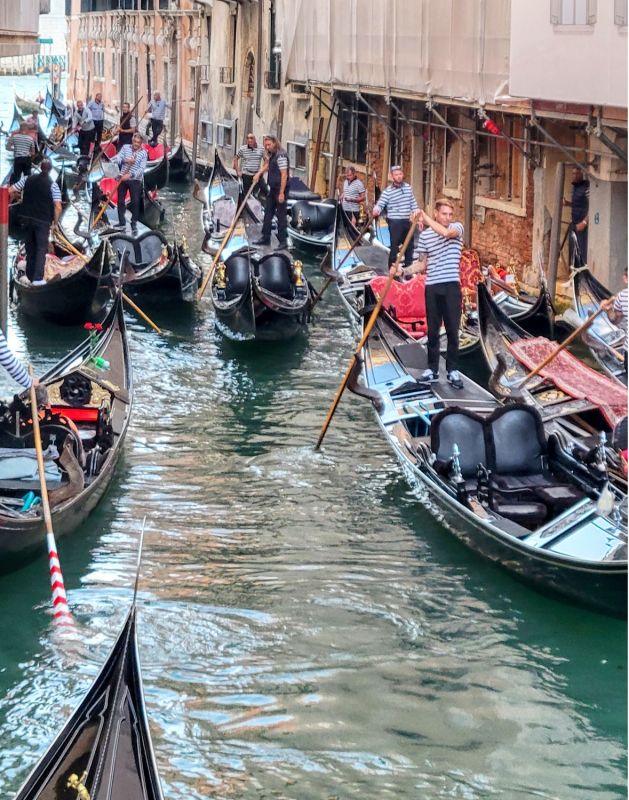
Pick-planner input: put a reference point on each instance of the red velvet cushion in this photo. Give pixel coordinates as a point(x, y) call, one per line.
point(405, 302)
point(109, 149)
point(155, 153)
point(106, 185)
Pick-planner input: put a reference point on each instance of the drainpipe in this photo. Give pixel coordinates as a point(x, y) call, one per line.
point(555, 231)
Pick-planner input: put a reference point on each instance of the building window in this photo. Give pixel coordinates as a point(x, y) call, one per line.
point(99, 65)
point(83, 63)
point(573, 12)
point(501, 167)
point(114, 65)
point(206, 131)
point(296, 155)
point(620, 13)
point(273, 75)
point(225, 134)
point(354, 121)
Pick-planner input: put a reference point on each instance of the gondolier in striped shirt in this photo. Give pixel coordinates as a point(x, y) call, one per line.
point(248, 161)
point(21, 143)
point(40, 208)
point(616, 306)
point(96, 107)
point(276, 167)
point(131, 160)
point(439, 251)
point(352, 195)
point(399, 202)
point(83, 123)
point(157, 106)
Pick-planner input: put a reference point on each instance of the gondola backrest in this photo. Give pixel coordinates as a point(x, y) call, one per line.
point(236, 275)
point(275, 274)
point(314, 216)
point(516, 442)
point(466, 430)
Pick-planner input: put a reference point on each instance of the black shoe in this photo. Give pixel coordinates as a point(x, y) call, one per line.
point(282, 246)
point(134, 228)
point(428, 376)
point(261, 241)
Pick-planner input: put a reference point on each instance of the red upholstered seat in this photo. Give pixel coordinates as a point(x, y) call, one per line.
point(406, 303)
point(106, 186)
point(471, 275)
point(154, 153)
point(109, 149)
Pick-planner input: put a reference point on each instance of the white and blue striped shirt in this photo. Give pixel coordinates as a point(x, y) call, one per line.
point(55, 191)
point(14, 367)
point(135, 170)
point(620, 304)
point(351, 191)
point(21, 143)
point(444, 255)
point(251, 158)
point(399, 201)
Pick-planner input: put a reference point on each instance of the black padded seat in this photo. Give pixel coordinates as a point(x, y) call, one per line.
point(237, 272)
point(297, 190)
point(276, 275)
point(530, 514)
point(142, 250)
point(465, 429)
point(313, 217)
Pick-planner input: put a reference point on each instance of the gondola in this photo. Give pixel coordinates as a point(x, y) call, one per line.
point(499, 336)
point(18, 118)
point(75, 292)
point(152, 212)
point(259, 296)
point(156, 266)
point(27, 106)
point(179, 164)
point(16, 229)
point(104, 751)
point(221, 201)
point(604, 339)
point(312, 224)
point(498, 478)
point(90, 405)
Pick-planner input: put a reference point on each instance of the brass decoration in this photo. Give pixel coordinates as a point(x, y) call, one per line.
point(298, 270)
point(362, 216)
point(184, 245)
point(300, 220)
point(221, 282)
point(515, 282)
point(74, 782)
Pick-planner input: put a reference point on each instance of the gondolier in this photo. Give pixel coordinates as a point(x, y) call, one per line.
point(21, 143)
point(439, 252)
point(126, 127)
point(579, 205)
point(131, 160)
point(276, 167)
point(353, 194)
point(40, 208)
point(96, 108)
point(400, 204)
point(13, 366)
point(616, 307)
point(248, 161)
point(83, 123)
point(157, 108)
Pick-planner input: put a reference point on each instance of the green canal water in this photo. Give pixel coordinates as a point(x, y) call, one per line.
point(306, 630)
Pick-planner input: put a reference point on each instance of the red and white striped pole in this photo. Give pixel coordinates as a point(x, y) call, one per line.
point(61, 612)
point(4, 257)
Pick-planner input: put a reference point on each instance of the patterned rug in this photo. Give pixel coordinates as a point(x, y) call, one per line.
point(574, 377)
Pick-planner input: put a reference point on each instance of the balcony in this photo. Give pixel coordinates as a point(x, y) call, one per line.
point(226, 76)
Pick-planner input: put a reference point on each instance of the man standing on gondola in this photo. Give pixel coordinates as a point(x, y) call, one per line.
point(248, 161)
point(131, 160)
point(83, 123)
point(96, 108)
point(439, 252)
point(276, 167)
point(157, 106)
point(21, 143)
point(40, 208)
point(126, 127)
point(353, 194)
point(400, 204)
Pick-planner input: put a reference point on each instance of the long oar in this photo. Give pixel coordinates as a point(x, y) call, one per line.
point(561, 347)
point(331, 278)
point(105, 202)
point(226, 239)
point(115, 137)
point(372, 321)
point(71, 249)
point(572, 318)
point(62, 613)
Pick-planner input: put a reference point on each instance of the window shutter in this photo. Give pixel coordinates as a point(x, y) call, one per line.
point(620, 12)
point(591, 12)
point(555, 12)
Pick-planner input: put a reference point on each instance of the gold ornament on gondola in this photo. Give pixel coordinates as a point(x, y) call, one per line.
point(298, 270)
point(220, 276)
point(78, 784)
point(362, 216)
point(515, 283)
point(300, 220)
point(184, 245)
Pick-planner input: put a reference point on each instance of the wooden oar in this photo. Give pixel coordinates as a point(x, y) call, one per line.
point(62, 613)
point(572, 318)
point(115, 136)
point(71, 249)
point(105, 203)
point(561, 347)
point(226, 239)
point(372, 321)
point(331, 278)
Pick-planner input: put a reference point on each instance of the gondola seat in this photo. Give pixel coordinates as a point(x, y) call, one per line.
point(223, 213)
point(237, 271)
point(471, 275)
point(405, 303)
point(143, 250)
point(466, 430)
point(297, 190)
point(275, 274)
point(313, 217)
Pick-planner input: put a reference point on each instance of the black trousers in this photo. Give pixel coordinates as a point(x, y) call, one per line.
point(85, 140)
point(36, 245)
point(134, 187)
point(579, 255)
point(157, 126)
point(247, 180)
point(443, 304)
point(123, 138)
point(21, 166)
point(98, 127)
point(398, 228)
point(275, 208)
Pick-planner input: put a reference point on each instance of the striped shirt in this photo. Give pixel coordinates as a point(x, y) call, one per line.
point(251, 158)
point(21, 144)
point(97, 110)
point(398, 200)
point(136, 170)
point(158, 109)
point(15, 369)
point(444, 255)
point(351, 192)
point(620, 304)
point(55, 191)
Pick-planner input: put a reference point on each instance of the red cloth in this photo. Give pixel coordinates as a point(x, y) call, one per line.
point(471, 273)
point(109, 149)
point(406, 303)
point(106, 185)
point(574, 377)
point(155, 153)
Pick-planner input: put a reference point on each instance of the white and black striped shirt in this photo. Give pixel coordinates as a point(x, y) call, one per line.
point(444, 255)
point(399, 201)
point(620, 304)
point(140, 157)
point(251, 158)
point(21, 144)
point(55, 191)
point(351, 192)
point(15, 369)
